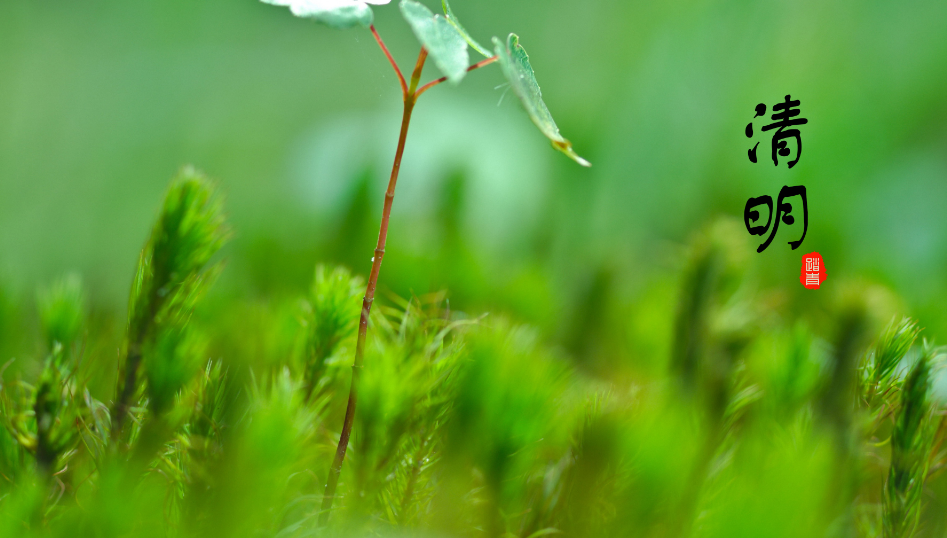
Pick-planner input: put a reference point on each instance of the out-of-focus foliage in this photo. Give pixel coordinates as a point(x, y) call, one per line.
point(172, 276)
point(298, 122)
point(477, 426)
point(449, 14)
point(443, 41)
point(641, 371)
point(333, 13)
point(61, 311)
point(330, 316)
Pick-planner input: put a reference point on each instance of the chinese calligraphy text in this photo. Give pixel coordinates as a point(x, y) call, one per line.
point(784, 117)
point(783, 212)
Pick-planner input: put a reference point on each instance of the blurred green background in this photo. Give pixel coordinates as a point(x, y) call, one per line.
point(102, 101)
point(707, 381)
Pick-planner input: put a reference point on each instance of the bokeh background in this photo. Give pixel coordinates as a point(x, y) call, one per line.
point(102, 101)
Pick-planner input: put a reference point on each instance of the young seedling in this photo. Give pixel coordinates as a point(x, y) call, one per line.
point(445, 41)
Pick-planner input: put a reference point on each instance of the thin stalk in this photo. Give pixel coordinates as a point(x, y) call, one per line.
point(333, 479)
point(410, 92)
point(404, 86)
point(416, 76)
point(433, 83)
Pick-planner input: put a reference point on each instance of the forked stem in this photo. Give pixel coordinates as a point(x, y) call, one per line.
point(404, 86)
point(433, 83)
point(333, 479)
point(411, 92)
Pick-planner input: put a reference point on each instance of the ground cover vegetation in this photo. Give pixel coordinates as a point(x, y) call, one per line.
point(318, 415)
point(222, 420)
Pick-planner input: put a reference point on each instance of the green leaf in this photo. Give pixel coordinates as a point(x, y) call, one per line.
point(451, 18)
point(443, 42)
point(515, 64)
point(334, 13)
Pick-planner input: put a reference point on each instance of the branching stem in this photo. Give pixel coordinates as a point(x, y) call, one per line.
point(411, 93)
point(333, 479)
point(433, 83)
point(404, 86)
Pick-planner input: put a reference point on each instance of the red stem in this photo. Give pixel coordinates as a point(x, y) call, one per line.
point(411, 94)
point(433, 83)
point(333, 479)
point(404, 86)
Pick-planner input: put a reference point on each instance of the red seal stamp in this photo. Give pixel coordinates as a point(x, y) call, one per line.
point(813, 271)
